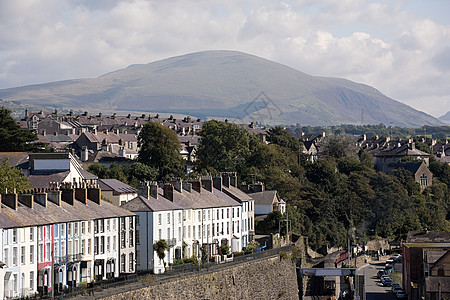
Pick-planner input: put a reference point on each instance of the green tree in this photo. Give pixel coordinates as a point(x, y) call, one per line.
point(97, 169)
point(141, 172)
point(12, 178)
point(15, 138)
point(160, 247)
point(280, 136)
point(223, 147)
point(159, 149)
point(339, 146)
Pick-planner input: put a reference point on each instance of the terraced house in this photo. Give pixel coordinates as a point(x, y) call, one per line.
point(53, 240)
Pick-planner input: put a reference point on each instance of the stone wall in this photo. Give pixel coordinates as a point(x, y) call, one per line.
point(271, 278)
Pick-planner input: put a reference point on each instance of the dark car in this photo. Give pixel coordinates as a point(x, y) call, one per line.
point(381, 273)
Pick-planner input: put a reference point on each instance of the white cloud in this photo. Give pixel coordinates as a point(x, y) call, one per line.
point(380, 43)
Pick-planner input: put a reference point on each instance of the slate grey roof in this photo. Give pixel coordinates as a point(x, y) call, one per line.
point(404, 150)
point(236, 193)
point(428, 237)
point(411, 166)
point(52, 213)
point(264, 197)
point(116, 186)
point(15, 159)
point(140, 203)
point(42, 179)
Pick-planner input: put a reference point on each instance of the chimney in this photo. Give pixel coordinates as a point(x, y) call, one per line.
point(44, 132)
point(27, 199)
point(196, 185)
point(114, 116)
point(105, 131)
point(100, 114)
point(257, 187)
point(226, 179)
point(54, 196)
point(207, 183)
point(187, 186)
point(153, 190)
point(84, 153)
point(217, 182)
point(55, 133)
point(168, 191)
point(68, 195)
point(412, 146)
point(177, 184)
point(41, 198)
point(233, 179)
point(94, 194)
point(94, 130)
point(364, 137)
point(81, 194)
point(10, 200)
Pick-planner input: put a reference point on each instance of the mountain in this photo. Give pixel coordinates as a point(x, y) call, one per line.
point(226, 84)
point(445, 118)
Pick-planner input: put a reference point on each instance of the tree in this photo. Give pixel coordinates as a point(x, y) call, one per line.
point(13, 137)
point(280, 136)
point(160, 150)
point(223, 147)
point(160, 247)
point(12, 178)
point(339, 146)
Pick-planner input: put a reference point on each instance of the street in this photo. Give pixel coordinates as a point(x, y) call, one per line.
point(373, 287)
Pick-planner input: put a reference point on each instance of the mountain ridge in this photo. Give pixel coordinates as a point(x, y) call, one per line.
point(227, 84)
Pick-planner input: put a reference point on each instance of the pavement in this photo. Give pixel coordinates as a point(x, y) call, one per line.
point(373, 287)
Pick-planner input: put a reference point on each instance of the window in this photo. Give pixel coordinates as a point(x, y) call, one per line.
point(423, 180)
point(69, 229)
point(122, 263)
point(114, 224)
point(131, 238)
point(108, 244)
point(122, 223)
point(47, 232)
point(41, 233)
point(131, 262)
point(137, 237)
point(193, 232)
point(168, 234)
point(168, 218)
point(89, 226)
point(131, 222)
point(179, 217)
point(218, 214)
point(203, 231)
point(237, 210)
point(101, 225)
point(83, 227)
point(232, 227)
point(6, 256)
point(209, 214)
point(218, 229)
point(32, 280)
point(122, 239)
point(189, 232)
point(89, 246)
point(199, 231)
point(159, 219)
point(114, 244)
point(159, 234)
point(102, 244)
point(138, 222)
point(55, 249)
point(83, 247)
point(15, 283)
point(179, 234)
point(41, 252)
point(22, 255)
point(31, 234)
point(199, 216)
point(228, 212)
point(47, 251)
point(77, 247)
point(232, 212)
point(15, 256)
point(14, 235)
point(70, 248)
point(209, 230)
point(63, 248)
point(237, 227)
point(107, 225)
point(228, 227)
point(213, 230)
point(76, 228)
point(96, 245)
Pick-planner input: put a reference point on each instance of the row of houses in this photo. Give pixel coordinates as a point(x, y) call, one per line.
point(56, 238)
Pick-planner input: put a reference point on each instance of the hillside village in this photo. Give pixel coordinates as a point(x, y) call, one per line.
point(72, 227)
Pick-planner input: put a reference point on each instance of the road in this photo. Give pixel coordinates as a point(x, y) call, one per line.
point(374, 289)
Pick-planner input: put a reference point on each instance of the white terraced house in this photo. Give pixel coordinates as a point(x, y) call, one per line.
point(190, 216)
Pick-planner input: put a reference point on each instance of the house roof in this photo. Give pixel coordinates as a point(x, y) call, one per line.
point(441, 258)
point(428, 237)
point(15, 159)
point(236, 193)
point(52, 213)
point(265, 197)
point(116, 186)
point(411, 166)
point(41, 179)
point(140, 203)
point(404, 150)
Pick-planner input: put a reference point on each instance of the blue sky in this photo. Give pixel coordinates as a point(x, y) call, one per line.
point(400, 47)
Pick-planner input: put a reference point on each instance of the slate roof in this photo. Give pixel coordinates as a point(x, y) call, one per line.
point(236, 193)
point(264, 197)
point(15, 159)
point(140, 203)
point(52, 213)
point(404, 150)
point(411, 166)
point(116, 186)
point(428, 237)
point(42, 179)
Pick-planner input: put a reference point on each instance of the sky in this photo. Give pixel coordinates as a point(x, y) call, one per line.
point(400, 47)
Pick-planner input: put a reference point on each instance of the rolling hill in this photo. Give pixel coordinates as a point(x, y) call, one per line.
point(226, 84)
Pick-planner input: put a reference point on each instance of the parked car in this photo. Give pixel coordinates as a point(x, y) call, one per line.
point(389, 266)
point(387, 282)
point(396, 286)
point(401, 295)
point(381, 273)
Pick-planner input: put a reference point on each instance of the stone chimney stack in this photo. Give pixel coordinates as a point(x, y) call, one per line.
point(217, 182)
point(10, 200)
point(207, 183)
point(84, 153)
point(27, 199)
point(196, 185)
point(81, 194)
point(68, 195)
point(94, 193)
point(168, 191)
